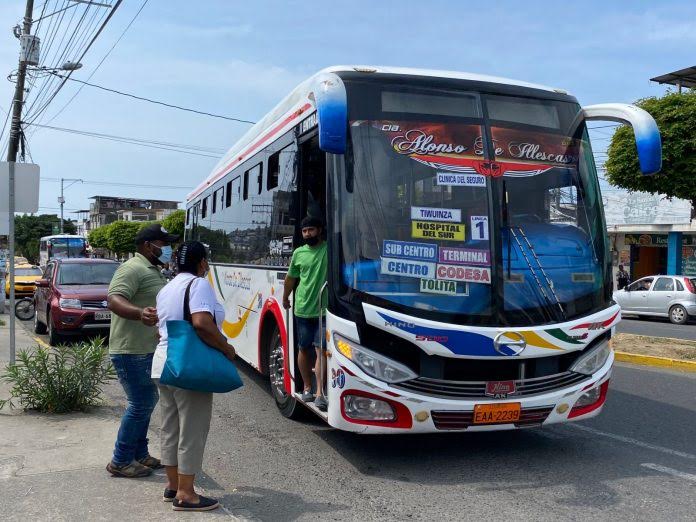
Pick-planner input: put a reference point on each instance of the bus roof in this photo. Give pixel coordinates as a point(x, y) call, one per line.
point(300, 102)
point(59, 236)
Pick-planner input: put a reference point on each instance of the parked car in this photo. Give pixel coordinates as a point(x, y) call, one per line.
point(71, 298)
point(660, 296)
point(25, 279)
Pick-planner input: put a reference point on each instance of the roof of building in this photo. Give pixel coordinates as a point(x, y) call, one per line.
point(684, 77)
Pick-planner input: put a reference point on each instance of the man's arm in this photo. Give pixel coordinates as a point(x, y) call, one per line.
point(290, 284)
point(124, 308)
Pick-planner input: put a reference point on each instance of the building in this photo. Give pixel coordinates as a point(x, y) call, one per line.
point(107, 209)
point(650, 234)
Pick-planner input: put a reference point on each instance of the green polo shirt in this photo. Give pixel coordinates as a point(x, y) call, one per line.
point(139, 281)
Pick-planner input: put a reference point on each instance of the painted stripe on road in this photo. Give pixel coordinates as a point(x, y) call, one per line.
point(634, 442)
point(674, 472)
point(42, 342)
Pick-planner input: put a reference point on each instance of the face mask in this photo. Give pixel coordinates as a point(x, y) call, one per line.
point(165, 255)
point(312, 240)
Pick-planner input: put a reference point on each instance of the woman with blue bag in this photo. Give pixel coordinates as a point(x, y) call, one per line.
point(192, 360)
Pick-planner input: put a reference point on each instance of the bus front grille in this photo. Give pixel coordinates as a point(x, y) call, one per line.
point(461, 420)
point(447, 389)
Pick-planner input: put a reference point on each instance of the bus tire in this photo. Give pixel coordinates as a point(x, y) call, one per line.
point(286, 403)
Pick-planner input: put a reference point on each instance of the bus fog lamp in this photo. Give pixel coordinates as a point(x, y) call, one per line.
point(373, 364)
point(365, 408)
point(588, 398)
point(589, 363)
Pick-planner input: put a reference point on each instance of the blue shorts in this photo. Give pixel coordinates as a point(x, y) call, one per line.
point(308, 334)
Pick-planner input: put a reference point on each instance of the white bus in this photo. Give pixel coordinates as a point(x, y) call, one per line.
point(61, 246)
point(469, 282)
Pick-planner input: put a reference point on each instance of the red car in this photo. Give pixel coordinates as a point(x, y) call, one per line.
point(71, 298)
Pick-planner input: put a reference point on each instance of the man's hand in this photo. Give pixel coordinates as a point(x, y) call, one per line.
point(230, 353)
point(286, 303)
point(148, 316)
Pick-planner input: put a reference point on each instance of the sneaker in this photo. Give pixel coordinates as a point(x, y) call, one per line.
point(307, 396)
point(321, 403)
point(151, 462)
point(169, 495)
point(204, 504)
point(133, 470)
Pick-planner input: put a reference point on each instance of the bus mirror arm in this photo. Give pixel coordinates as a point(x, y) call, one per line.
point(647, 134)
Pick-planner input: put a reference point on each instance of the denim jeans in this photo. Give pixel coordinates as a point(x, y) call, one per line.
point(134, 375)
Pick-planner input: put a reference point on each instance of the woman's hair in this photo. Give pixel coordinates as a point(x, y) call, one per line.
point(188, 255)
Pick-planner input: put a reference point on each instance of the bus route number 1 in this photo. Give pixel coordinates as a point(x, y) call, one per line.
point(479, 228)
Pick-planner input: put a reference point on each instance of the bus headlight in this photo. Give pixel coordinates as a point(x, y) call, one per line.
point(593, 360)
point(374, 364)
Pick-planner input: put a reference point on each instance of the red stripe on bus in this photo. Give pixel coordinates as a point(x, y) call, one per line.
point(261, 141)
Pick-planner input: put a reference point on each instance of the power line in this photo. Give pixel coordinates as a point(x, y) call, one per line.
point(173, 147)
point(154, 101)
point(117, 184)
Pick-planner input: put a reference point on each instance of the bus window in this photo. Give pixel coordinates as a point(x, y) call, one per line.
point(228, 194)
point(246, 185)
point(204, 208)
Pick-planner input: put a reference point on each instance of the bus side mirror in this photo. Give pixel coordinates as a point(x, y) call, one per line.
point(648, 141)
point(331, 102)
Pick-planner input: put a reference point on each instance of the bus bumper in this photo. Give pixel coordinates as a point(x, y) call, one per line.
point(359, 403)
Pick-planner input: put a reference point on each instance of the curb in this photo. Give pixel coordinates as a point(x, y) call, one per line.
point(651, 360)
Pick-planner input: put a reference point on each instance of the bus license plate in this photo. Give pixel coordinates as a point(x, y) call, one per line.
point(102, 316)
point(507, 412)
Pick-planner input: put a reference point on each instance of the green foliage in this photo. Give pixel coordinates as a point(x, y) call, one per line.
point(121, 237)
point(675, 115)
point(99, 237)
point(61, 379)
point(175, 222)
point(145, 224)
point(30, 229)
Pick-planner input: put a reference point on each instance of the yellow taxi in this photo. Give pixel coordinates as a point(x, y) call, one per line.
point(25, 280)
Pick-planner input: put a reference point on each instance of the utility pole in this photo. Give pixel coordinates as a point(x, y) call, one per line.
point(15, 130)
point(61, 199)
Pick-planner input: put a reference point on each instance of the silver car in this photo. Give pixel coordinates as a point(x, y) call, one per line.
point(660, 296)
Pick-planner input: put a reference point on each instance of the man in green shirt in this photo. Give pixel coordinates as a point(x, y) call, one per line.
point(306, 276)
point(132, 341)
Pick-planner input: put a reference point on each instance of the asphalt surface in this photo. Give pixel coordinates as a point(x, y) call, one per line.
point(637, 460)
point(657, 327)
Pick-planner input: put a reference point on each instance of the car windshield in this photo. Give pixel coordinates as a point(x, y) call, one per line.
point(28, 271)
point(432, 172)
point(86, 274)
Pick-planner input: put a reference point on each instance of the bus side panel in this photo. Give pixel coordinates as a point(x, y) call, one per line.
point(243, 292)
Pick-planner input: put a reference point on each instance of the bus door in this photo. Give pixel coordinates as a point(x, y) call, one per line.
point(312, 201)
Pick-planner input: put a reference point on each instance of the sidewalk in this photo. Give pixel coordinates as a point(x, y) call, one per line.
point(52, 466)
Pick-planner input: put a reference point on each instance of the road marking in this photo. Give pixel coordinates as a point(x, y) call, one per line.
point(674, 472)
point(42, 342)
point(634, 442)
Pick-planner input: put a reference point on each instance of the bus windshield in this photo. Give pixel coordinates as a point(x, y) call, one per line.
point(63, 247)
point(471, 208)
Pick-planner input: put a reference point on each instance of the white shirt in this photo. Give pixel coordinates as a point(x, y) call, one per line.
point(170, 307)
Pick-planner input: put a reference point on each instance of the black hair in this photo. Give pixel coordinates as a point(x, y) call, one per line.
point(188, 255)
point(311, 221)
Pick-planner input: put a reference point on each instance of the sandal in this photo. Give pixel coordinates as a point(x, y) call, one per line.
point(169, 495)
point(204, 504)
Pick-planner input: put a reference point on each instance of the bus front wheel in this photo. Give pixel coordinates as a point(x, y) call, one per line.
point(286, 403)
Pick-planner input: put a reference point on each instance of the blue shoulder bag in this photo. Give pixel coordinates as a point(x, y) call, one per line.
point(193, 365)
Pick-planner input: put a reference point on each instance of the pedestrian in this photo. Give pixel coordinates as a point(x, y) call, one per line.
point(132, 297)
point(186, 414)
point(306, 277)
point(622, 278)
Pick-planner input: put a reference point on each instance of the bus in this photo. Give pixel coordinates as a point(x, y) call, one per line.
point(469, 271)
point(61, 246)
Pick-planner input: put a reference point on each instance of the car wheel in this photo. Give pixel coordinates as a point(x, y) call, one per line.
point(678, 315)
point(39, 327)
point(54, 338)
point(286, 403)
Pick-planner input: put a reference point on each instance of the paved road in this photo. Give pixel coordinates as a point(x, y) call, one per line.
point(658, 328)
point(636, 461)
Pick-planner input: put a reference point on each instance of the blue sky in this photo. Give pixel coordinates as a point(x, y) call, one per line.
point(239, 58)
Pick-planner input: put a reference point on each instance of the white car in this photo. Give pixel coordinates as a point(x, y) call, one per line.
point(660, 296)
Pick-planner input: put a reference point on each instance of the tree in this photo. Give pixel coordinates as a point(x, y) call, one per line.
point(99, 237)
point(675, 115)
point(174, 223)
point(121, 237)
point(29, 229)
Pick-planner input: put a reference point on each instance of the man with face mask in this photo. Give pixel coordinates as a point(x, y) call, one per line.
point(306, 275)
point(132, 340)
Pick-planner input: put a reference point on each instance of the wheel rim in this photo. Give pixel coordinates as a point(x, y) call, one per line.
point(678, 314)
point(23, 310)
point(276, 369)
